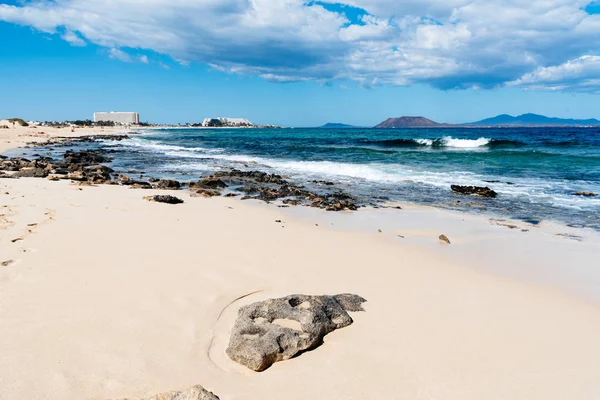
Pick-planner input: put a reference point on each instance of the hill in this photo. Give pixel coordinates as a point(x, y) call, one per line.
point(335, 125)
point(533, 120)
point(409, 122)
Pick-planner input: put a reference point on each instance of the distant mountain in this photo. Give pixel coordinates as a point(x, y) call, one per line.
point(532, 120)
point(409, 122)
point(335, 125)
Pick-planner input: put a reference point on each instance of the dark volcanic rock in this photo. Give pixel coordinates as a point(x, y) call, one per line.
point(168, 184)
point(326, 183)
point(194, 393)
point(212, 183)
point(279, 329)
point(476, 190)
point(77, 176)
point(140, 185)
point(255, 176)
point(164, 199)
point(205, 193)
point(31, 173)
point(85, 157)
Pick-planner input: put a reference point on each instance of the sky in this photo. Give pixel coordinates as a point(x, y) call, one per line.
point(299, 62)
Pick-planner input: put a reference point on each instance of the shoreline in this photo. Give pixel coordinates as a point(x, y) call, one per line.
point(136, 298)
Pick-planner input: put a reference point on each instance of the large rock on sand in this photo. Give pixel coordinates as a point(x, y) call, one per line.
point(278, 329)
point(194, 393)
point(164, 199)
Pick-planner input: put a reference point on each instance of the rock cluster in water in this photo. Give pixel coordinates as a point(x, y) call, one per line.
point(279, 329)
point(271, 187)
point(474, 190)
point(85, 167)
point(585, 194)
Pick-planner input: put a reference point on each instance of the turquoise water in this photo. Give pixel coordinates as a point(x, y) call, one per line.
point(534, 170)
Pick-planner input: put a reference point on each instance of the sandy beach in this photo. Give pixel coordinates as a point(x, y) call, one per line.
point(104, 295)
point(18, 136)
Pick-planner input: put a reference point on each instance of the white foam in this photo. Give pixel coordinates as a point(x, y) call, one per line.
point(168, 149)
point(465, 143)
point(426, 142)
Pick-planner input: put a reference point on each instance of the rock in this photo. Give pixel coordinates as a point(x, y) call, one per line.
point(231, 195)
point(125, 180)
point(168, 184)
point(153, 180)
point(85, 157)
point(211, 182)
point(279, 329)
point(140, 185)
point(326, 183)
point(444, 238)
point(476, 190)
point(31, 173)
point(77, 176)
point(205, 193)
point(585, 194)
point(194, 393)
point(255, 176)
point(55, 177)
point(164, 199)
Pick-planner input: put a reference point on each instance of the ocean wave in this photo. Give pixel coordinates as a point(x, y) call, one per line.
point(445, 142)
point(168, 149)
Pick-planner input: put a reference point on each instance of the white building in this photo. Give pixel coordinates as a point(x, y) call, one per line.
point(234, 122)
point(118, 117)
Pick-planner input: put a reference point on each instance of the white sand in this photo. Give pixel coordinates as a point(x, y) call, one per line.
point(111, 296)
point(18, 136)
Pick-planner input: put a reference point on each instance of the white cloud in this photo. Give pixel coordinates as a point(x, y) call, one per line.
point(446, 43)
point(144, 59)
point(118, 54)
point(582, 74)
point(73, 39)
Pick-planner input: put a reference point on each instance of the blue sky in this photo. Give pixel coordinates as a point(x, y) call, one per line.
point(299, 63)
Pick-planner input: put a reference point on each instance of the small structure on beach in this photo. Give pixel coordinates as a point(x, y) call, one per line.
point(125, 118)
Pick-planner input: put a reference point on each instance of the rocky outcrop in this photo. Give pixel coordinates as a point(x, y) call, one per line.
point(254, 176)
point(85, 157)
point(164, 199)
point(474, 190)
point(585, 194)
point(279, 329)
point(168, 184)
point(194, 393)
point(31, 173)
point(205, 193)
point(211, 182)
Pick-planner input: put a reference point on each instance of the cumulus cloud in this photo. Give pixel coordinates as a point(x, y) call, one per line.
point(144, 59)
point(445, 43)
point(582, 74)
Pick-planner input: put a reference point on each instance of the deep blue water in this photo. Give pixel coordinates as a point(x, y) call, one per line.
point(534, 170)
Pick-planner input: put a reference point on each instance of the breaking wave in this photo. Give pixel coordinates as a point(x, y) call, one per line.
point(446, 141)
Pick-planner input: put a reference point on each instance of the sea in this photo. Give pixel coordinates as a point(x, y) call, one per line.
point(535, 171)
